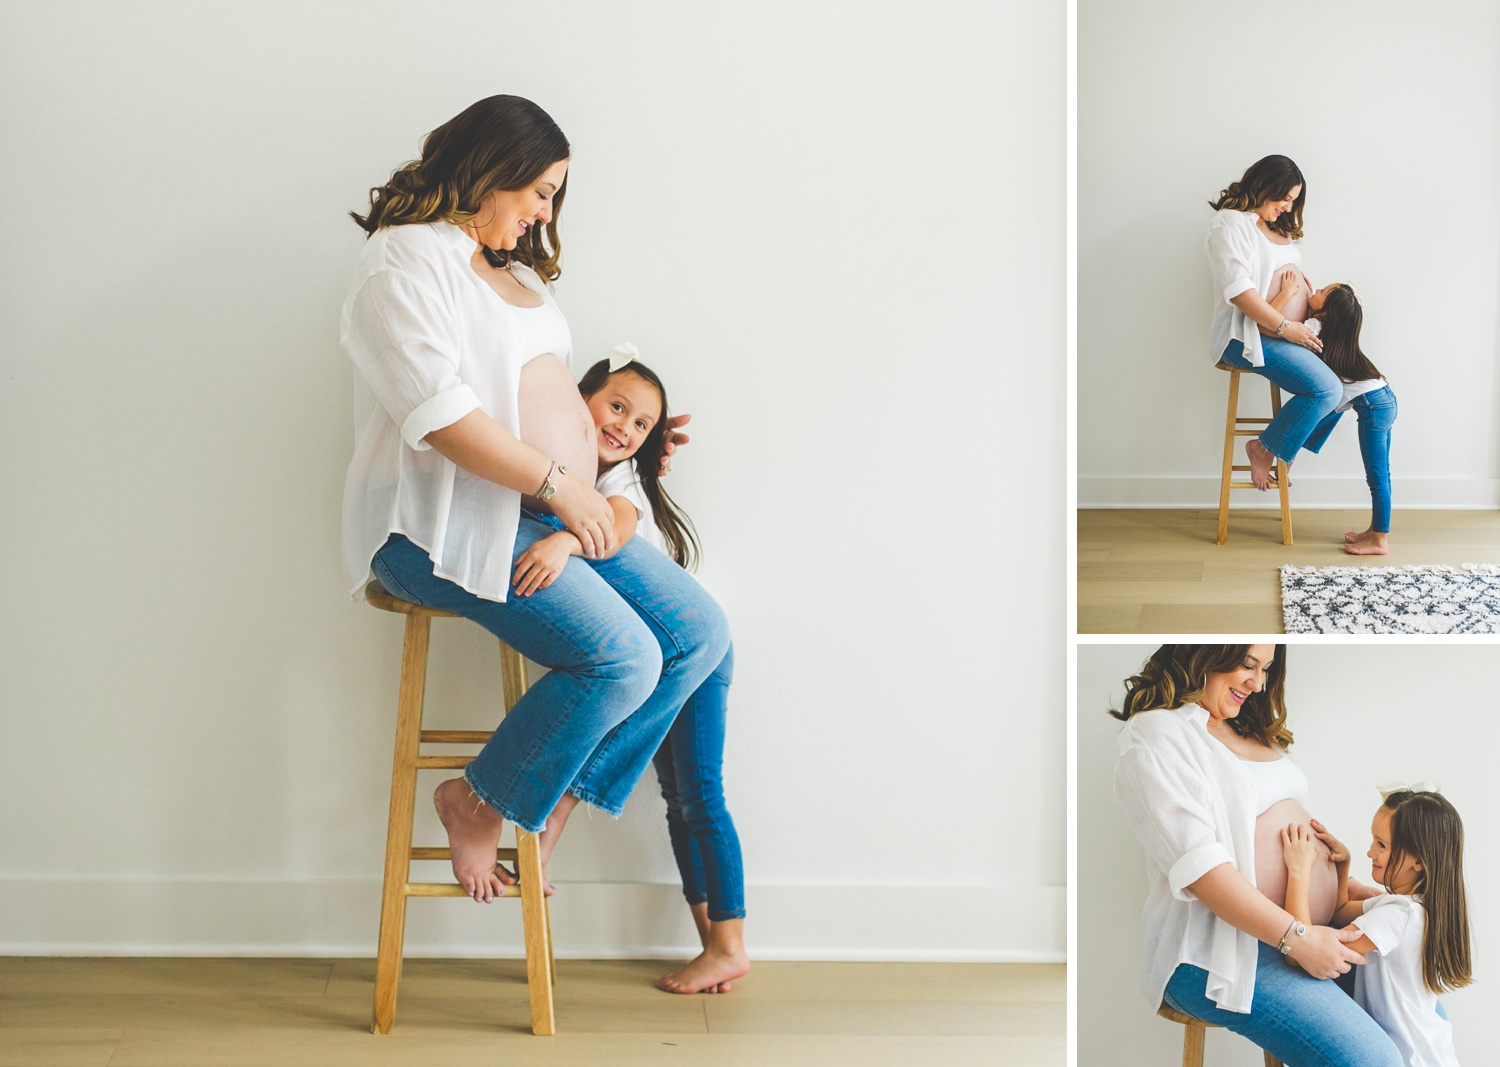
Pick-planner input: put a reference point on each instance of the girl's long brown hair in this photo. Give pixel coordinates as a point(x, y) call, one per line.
point(1176, 676)
point(1342, 317)
point(1427, 828)
point(501, 142)
point(1267, 179)
point(676, 528)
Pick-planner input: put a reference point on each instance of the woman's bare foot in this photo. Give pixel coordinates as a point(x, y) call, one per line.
point(708, 972)
point(1262, 462)
point(473, 835)
point(1375, 544)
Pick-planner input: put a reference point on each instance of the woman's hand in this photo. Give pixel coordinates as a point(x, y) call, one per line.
point(541, 563)
point(1299, 334)
point(1322, 951)
point(1299, 849)
point(674, 438)
point(586, 514)
point(1338, 853)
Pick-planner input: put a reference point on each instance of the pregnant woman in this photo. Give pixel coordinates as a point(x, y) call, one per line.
point(1251, 241)
point(467, 424)
point(1204, 780)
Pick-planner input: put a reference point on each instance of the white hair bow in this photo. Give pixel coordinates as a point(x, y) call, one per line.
point(622, 355)
point(1416, 787)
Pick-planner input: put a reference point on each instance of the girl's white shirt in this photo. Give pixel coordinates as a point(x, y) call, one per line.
point(623, 481)
point(431, 342)
point(1192, 804)
point(1241, 258)
point(1389, 985)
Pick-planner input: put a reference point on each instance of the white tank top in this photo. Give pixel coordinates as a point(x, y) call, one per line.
point(543, 329)
point(1275, 781)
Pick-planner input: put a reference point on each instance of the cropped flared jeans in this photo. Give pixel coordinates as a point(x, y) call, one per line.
point(1315, 390)
point(628, 640)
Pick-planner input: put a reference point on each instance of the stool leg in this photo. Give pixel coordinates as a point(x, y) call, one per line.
point(551, 947)
point(1227, 475)
point(399, 831)
point(535, 928)
point(1192, 1045)
point(1282, 476)
point(1272, 1061)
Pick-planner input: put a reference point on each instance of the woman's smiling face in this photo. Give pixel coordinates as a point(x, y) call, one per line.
point(1225, 693)
point(1271, 210)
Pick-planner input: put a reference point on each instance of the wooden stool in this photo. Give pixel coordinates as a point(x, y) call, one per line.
point(536, 922)
point(1237, 426)
point(1192, 1037)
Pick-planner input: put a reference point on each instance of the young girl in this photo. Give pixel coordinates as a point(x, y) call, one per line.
point(1337, 318)
point(1415, 936)
point(629, 406)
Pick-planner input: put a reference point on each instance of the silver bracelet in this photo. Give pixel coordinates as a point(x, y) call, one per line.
point(542, 488)
point(1284, 324)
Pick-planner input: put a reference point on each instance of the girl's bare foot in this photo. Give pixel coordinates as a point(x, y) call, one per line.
point(1352, 538)
point(1374, 545)
point(709, 972)
point(473, 835)
point(1261, 464)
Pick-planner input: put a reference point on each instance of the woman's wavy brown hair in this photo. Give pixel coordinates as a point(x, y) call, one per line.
point(1427, 828)
point(500, 143)
point(1176, 675)
point(1267, 179)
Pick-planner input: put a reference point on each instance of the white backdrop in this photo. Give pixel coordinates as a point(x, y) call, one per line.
point(1393, 115)
point(833, 229)
point(1361, 715)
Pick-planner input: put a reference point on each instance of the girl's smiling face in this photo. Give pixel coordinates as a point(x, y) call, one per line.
point(1316, 300)
point(1399, 879)
point(624, 410)
point(1225, 693)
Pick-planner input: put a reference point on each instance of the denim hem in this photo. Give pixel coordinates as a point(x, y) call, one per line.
point(500, 809)
point(614, 811)
point(726, 916)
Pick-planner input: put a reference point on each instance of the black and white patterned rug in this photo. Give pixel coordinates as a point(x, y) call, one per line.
point(1391, 600)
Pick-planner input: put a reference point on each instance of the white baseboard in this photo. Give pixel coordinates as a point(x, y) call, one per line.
point(1163, 491)
point(149, 917)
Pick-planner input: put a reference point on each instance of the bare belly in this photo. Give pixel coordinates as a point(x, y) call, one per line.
point(1296, 306)
point(556, 422)
point(1270, 869)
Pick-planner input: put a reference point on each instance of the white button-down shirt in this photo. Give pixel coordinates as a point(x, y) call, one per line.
point(431, 342)
point(1241, 258)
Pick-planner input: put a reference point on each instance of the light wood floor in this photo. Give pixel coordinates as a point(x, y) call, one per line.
point(280, 1013)
point(1160, 571)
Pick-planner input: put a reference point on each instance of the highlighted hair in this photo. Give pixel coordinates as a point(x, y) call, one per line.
point(1177, 675)
point(1267, 180)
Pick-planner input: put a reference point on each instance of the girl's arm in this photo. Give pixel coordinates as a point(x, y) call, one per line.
point(1269, 320)
point(1291, 284)
point(1320, 951)
point(541, 563)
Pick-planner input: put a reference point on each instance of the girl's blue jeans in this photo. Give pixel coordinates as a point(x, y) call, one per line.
point(689, 766)
point(1315, 390)
point(628, 639)
point(1376, 411)
point(1303, 1021)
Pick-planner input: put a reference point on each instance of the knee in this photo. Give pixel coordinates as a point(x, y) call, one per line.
point(630, 661)
point(705, 637)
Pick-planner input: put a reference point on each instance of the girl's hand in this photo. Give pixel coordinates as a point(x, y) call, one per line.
point(1299, 334)
point(1299, 848)
point(586, 514)
point(1291, 281)
point(1321, 951)
point(541, 563)
point(1338, 853)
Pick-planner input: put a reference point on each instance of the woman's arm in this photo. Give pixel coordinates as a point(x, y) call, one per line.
point(483, 447)
point(1291, 285)
point(1272, 322)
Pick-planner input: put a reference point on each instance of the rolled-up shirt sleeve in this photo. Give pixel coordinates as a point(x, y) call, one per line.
point(400, 338)
point(1166, 802)
point(1231, 257)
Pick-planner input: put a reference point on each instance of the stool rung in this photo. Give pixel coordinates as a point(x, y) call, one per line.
point(421, 852)
point(450, 889)
point(1247, 418)
point(452, 763)
point(456, 737)
point(1247, 433)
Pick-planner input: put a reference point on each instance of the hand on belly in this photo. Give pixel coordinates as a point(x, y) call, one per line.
point(555, 421)
point(1270, 870)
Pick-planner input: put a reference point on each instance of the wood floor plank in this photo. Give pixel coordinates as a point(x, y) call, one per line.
point(163, 976)
point(24, 1046)
point(937, 1019)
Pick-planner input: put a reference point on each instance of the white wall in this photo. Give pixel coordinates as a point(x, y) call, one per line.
point(832, 230)
point(1362, 715)
point(1393, 114)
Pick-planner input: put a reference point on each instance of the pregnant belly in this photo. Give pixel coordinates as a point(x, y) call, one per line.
point(555, 421)
point(1270, 870)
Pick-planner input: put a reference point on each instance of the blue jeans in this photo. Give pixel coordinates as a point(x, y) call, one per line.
point(1303, 1021)
point(1376, 411)
point(628, 639)
point(689, 766)
point(1315, 390)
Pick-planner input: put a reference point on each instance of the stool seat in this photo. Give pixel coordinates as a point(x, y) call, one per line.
point(1192, 1038)
point(1237, 426)
point(536, 922)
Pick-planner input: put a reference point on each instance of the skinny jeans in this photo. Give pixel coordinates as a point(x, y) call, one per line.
point(1376, 411)
point(627, 641)
point(689, 766)
point(1315, 390)
point(1303, 1021)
